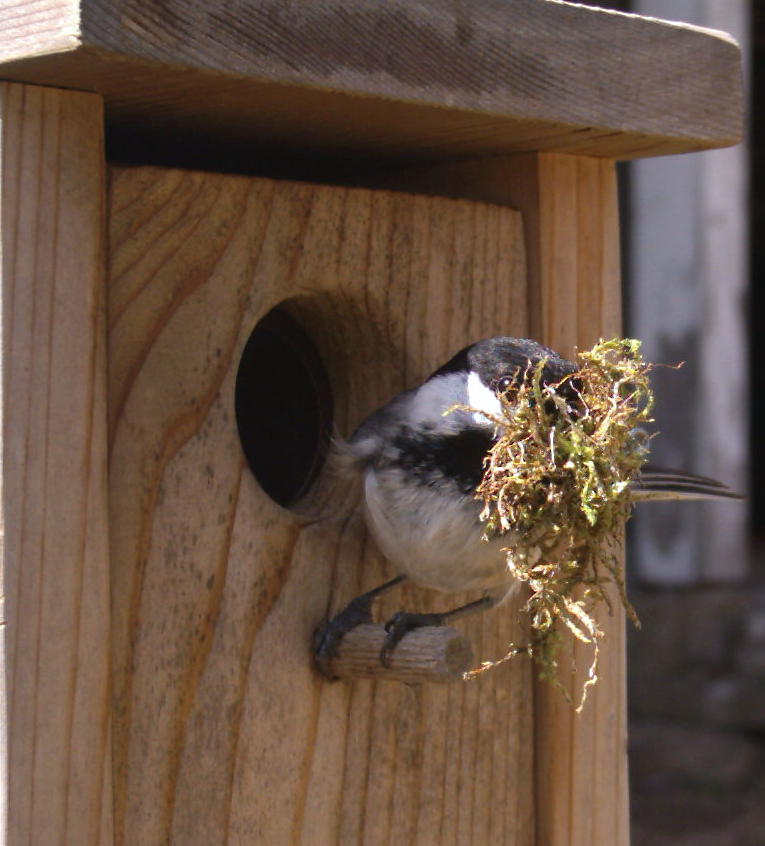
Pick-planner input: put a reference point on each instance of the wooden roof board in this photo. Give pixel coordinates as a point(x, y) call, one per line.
point(400, 80)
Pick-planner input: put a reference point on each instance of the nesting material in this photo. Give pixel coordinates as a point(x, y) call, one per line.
point(557, 484)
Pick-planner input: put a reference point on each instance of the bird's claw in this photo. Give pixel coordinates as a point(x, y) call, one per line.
point(399, 625)
point(327, 637)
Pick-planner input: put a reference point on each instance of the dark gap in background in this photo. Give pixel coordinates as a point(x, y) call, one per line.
point(757, 268)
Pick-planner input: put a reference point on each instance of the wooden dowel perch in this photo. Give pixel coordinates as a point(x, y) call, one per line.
point(429, 654)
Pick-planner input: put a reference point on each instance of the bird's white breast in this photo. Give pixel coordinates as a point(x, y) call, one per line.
point(431, 537)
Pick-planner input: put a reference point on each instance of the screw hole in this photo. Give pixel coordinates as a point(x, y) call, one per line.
point(283, 403)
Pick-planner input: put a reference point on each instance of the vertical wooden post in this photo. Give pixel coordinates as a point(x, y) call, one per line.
point(54, 462)
point(581, 763)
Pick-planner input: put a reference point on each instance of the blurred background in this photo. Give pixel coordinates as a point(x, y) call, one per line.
point(697, 666)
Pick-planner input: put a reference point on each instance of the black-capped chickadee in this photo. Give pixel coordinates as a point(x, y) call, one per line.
point(419, 468)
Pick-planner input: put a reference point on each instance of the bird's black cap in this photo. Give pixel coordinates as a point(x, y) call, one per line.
point(495, 358)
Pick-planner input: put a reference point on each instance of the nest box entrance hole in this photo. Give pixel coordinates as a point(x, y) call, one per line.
point(284, 407)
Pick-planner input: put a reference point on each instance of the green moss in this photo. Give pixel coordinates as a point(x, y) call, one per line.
point(557, 484)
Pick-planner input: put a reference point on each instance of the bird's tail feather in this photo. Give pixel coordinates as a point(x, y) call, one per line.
point(658, 483)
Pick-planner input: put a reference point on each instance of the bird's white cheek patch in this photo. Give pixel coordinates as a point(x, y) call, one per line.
point(484, 399)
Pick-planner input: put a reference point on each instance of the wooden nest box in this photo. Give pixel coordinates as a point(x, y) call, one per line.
point(387, 181)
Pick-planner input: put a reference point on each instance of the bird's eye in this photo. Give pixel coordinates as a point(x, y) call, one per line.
point(503, 384)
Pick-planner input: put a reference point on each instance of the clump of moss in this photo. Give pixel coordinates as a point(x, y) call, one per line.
point(556, 483)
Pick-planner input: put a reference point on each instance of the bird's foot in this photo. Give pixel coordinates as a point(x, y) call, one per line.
point(327, 637)
point(401, 623)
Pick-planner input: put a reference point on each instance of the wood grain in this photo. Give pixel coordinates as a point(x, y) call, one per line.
point(364, 81)
point(32, 27)
point(569, 209)
point(54, 446)
point(223, 731)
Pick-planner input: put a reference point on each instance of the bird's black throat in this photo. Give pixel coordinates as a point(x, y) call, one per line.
point(431, 458)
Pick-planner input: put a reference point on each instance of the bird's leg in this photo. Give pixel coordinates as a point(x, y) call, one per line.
point(404, 621)
point(358, 611)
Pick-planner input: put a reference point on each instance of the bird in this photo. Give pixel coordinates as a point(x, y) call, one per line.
point(420, 458)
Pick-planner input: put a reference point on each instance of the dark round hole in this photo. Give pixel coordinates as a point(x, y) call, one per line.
point(283, 407)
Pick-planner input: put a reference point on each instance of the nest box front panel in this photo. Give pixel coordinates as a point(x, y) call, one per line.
point(223, 731)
